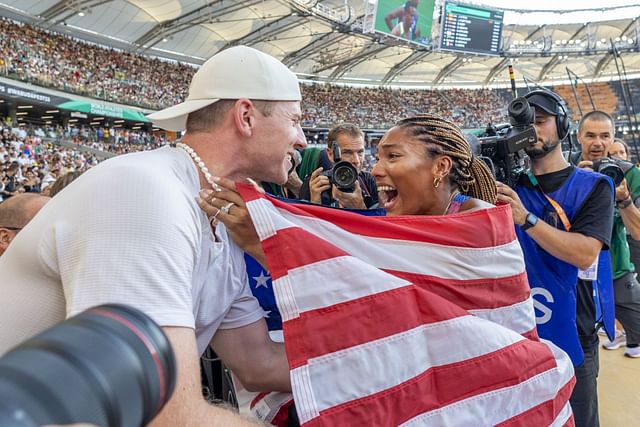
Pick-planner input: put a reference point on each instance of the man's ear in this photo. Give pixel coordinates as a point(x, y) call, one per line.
point(244, 116)
point(6, 236)
point(330, 154)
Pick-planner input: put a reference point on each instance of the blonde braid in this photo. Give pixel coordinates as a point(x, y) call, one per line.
point(472, 176)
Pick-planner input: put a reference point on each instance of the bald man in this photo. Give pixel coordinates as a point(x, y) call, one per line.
point(15, 213)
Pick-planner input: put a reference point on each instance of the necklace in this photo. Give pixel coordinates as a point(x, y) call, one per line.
point(200, 163)
point(454, 194)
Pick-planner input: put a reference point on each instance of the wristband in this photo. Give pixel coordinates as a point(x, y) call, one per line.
point(621, 204)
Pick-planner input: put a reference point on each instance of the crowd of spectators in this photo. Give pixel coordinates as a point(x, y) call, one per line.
point(323, 105)
point(46, 58)
point(50, 59)
point(32, 158)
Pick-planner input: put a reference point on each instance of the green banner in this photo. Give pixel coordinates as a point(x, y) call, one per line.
point(105, 110)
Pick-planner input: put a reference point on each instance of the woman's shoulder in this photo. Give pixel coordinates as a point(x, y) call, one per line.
point(472, 204)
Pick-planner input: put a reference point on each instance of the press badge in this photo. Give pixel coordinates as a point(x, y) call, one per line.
point(590, 273)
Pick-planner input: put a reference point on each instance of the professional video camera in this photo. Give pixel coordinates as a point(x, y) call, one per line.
point(108, 366)
point(613, 168)
point(343, 175)
point(503, 148)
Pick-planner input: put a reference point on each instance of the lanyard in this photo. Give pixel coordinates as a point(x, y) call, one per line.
point(561, 214)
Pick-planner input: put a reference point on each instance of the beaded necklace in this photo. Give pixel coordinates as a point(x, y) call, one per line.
point(200, 163)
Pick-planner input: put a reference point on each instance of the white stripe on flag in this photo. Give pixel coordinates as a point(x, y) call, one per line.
point(342, 279)
point(448, 262)
point(519, 317)
point(563, 416)
point(303, 395)
point(366, 369)
point(287, 304)
point(497, 406)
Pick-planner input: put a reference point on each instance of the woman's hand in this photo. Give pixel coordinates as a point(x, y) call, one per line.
point(226, 206)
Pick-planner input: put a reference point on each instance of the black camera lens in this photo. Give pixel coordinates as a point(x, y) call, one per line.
point(520, 112)
point(109, 366)
point(345, 176)
point(610, 168)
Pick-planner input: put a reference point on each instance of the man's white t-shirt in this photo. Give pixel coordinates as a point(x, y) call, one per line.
point(127, 231)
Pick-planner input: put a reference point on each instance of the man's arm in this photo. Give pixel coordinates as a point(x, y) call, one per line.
point(628, 194)
point(629, 213)
point(396, 13)
point(187, 407)
point(259, 363)
point(573, 248)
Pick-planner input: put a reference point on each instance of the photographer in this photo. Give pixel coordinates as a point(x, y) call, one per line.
point(564, 217)
point(350, 140)
point(595, 135)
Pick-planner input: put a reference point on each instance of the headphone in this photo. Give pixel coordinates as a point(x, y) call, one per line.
point(562, 117)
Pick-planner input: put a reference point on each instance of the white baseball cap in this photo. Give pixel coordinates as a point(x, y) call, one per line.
point(234, 73)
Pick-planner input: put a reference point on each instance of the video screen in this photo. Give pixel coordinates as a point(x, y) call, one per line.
point(467, 28)
point(409, 20)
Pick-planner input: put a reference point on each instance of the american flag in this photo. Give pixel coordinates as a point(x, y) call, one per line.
point(407, 320)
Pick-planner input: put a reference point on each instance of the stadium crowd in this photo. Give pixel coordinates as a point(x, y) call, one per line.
point(30, 161)
point(50, 59)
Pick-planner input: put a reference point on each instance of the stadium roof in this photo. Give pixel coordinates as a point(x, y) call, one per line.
point(324, 40)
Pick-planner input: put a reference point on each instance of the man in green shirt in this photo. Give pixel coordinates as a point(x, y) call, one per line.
point(595, 134)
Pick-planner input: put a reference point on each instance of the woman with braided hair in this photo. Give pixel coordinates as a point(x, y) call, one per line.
point(426, 167)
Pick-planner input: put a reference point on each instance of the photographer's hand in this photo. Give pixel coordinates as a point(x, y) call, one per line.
point(507, 195)
point(294, 183)
point(622, 192)
point(352, 200)
point(317, 184)
point(586, 164)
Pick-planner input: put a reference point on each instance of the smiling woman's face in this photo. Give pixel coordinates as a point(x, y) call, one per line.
point(404, 175)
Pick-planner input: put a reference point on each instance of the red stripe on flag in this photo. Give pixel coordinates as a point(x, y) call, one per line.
point(288, 241)
point(545, 412)
point(473, 230)
point(503, 368)
point(473, 294)
point(363, 320)
point(532, 334)
point(478, 229)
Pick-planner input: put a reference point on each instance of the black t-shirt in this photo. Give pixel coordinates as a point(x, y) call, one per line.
point(589, 221)
point(367, 184)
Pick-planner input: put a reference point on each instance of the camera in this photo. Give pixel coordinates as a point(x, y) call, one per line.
point(502, 148)
point(613, 168)
point(343, 175)
point(109, 366)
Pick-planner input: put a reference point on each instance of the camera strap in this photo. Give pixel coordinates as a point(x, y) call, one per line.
point(556, 206)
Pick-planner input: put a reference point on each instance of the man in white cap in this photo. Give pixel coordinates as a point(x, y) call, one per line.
point(130, 231)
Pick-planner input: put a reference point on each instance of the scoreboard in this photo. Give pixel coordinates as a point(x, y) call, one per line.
point(467, 28)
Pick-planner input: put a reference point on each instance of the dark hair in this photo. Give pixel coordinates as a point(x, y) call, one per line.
point(344, 128)
point(625, 145)
point(598, 116)
point(470, 174)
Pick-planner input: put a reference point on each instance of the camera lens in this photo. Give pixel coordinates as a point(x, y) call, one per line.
point(110, 366)
point(345, 176)
point(520, 112)
point(610, 169)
